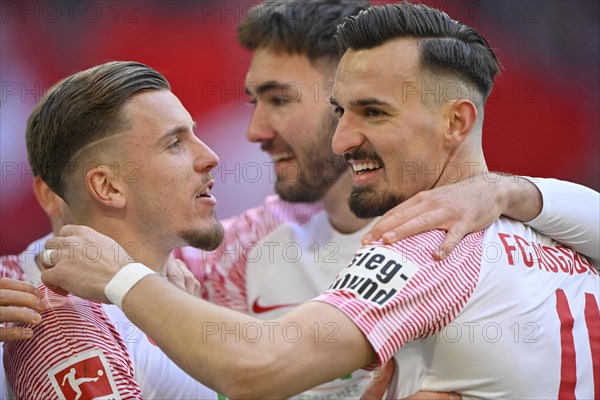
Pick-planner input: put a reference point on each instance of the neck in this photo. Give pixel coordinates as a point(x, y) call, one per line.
point(336, 206)
point(137, 246)
point(462, 166)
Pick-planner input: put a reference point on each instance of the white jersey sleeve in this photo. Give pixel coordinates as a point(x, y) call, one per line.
point(570, 215)
point(75, 353)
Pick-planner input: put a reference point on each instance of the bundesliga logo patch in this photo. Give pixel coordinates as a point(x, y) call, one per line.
point(376, 274)
point(83, 377)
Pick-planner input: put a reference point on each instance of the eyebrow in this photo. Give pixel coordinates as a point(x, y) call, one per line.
point(175, 131)
point(265, 87)
point(370, 101)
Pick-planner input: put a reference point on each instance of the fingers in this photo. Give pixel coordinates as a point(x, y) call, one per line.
point(379, 382)
point(452, 239)
point(175, 276)
point(48, 258)
point(19, 314)
point(420, 213)
point(191, 284)
point(178, 274)
point(53, 248)
point(13, 284)
point(394, 218)
point(51, 253)
point(427, 221)
point(403, 227)
point(19, 294)
point(19, 302)
point(383, 225)
point(10, 333)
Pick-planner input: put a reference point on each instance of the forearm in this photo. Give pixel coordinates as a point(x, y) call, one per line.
point(567, 212)
point(236, 354)
point(570, 215)
point(521, 200)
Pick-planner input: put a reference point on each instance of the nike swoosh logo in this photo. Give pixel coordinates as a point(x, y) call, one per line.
point(259, 309)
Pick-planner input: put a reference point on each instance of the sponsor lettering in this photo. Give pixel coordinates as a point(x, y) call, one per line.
point(376, 274)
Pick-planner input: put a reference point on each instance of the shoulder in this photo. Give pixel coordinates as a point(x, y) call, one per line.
point(74, 334)
point(420, 248)
point(379, 272)
point(69, 320)
point(396, 293)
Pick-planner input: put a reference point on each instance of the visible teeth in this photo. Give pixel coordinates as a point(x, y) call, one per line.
point(362, 166)
point(204, 192)
point(279, 157)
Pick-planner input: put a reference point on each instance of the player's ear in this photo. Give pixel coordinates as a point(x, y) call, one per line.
point(50, 202)
point(462, 116)
point(103, 184)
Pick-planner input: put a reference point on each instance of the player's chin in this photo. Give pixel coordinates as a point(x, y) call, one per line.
point(207, 237)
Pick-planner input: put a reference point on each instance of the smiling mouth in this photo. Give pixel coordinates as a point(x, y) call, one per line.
point(282, 157)
point(365, 166)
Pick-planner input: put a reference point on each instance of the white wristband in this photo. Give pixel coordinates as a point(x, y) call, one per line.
point(124, 280)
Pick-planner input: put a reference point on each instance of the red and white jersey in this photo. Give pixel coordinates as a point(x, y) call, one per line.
point(273, 258)
point(76, 352)
point(22, 267)
point(510, 314)
point(81, 327)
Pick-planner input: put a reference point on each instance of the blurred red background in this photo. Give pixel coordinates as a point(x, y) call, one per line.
point(541, 120)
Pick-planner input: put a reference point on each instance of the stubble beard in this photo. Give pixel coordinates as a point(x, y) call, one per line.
point(319, 171)
point(205, 239)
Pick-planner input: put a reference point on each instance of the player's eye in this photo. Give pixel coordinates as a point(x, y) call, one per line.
point(175, 144)
point(373, 112)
